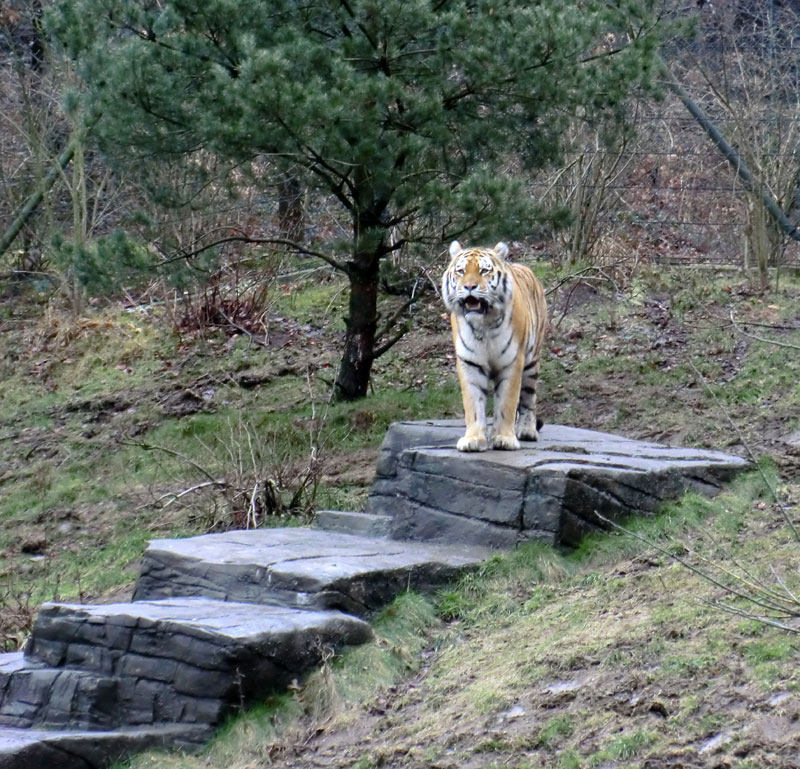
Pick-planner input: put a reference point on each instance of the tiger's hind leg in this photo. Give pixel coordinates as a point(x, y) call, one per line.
point(527, 423)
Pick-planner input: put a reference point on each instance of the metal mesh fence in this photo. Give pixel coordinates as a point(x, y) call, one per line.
point(669, 195)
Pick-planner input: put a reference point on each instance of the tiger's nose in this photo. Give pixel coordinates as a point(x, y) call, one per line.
point(470, 286)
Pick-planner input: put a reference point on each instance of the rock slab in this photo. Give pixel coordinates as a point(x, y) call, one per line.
point(555, 490)
point(171, 661)
point(299, 567)
point(221, 618)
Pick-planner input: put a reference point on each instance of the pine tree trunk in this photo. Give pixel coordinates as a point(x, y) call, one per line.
point(369, 233)
point(352, 380)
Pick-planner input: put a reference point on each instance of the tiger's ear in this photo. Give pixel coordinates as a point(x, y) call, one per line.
point(455, 247)
point(501, 249)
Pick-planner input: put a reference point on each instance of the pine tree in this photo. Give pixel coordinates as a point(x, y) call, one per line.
point(424, 110)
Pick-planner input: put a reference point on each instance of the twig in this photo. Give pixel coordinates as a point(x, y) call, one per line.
point(780, 581)
point(748, 615)
point(386, 346)
point(252, 516)
point(761, 338)
point(298, 247)
point(151, 447)
point(578, 274)
point(392, 321)
point(190, 490)
point(239, 327)
point(691, 567)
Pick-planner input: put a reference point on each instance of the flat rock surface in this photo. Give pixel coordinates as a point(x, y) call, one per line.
point(190, 630)
point(221, 618)
point(297, 566)
point(555, 489)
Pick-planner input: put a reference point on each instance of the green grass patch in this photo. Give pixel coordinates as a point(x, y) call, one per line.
point(623, 747)
point(555, 730)
point(320, 302)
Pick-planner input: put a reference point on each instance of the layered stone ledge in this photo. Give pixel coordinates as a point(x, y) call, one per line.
point(299, 567)
point(174, 661)
point(555, 490)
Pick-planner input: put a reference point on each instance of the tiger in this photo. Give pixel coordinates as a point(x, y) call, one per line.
point(498, 316)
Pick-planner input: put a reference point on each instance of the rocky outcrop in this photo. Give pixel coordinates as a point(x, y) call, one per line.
point(217, 620)
point(221, 618)
point(555, 490)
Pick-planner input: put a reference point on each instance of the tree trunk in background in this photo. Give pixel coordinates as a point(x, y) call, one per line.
point(730, 154)
point(291, 210)
point(36, 197)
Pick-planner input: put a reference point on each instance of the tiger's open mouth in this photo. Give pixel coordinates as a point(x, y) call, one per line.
point(473, 304)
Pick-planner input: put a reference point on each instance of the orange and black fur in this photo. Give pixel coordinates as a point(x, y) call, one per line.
point(499, 319)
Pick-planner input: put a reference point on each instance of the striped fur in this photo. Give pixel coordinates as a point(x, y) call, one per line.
point(499, 319)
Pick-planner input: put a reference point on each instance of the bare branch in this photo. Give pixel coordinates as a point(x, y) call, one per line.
point(761, 338)
point(384, 348)
point(151, 447)
point(691, 567)
point(175, 496)
point(298, 247)
point(392, 321)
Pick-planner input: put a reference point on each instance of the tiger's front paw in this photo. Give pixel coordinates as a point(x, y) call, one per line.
point(472, 443)
point(505, 442)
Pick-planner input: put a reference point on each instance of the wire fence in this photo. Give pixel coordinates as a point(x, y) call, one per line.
point(668, 195)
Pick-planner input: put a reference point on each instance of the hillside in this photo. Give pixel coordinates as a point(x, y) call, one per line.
point(133, 423)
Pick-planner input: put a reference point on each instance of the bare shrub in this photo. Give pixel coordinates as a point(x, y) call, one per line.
point(17, 613)
point(242, 479)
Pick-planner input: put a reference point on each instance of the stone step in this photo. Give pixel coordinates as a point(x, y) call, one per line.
point(179, 660)
point(362, 524)
point(35, 695)
point(43, 749)
point(299, 567)
point(550, 490)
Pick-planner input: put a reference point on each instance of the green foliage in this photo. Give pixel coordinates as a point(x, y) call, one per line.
point(102, 265)
point(399, 107)
point(555, 729)
point(417, 118)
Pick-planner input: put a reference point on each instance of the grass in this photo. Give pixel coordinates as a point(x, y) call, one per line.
point(623, 747)
point(621, 623)
point(556, 729)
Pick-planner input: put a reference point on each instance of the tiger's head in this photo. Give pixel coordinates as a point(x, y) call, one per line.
point(475, 283)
